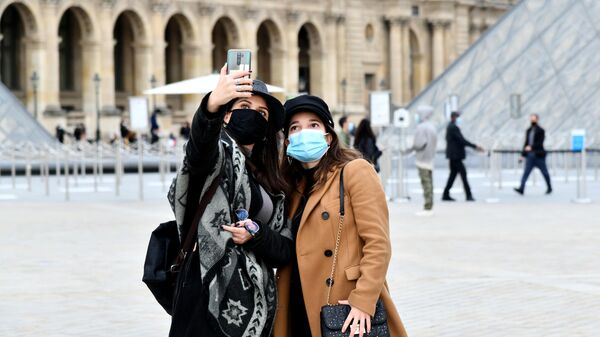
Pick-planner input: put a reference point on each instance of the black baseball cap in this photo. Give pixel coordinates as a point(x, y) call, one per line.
point(307, 103)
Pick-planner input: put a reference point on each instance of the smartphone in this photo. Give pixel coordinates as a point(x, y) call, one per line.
point(238, 60)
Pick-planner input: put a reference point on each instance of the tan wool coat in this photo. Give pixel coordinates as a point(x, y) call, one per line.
point(364, 252)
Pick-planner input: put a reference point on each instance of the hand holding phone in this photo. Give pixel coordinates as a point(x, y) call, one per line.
point(235, 85)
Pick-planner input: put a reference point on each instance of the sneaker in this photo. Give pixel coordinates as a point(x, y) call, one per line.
point(447, 198)
point(549, 190)
point(470, 199)
point(518, 190)
point(424, 213)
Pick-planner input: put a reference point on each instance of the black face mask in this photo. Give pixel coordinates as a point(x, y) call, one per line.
point(247, 126)
point(533, 123)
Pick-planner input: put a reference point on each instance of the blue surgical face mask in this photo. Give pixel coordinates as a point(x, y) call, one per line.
point(458, 121)
point(307, 145)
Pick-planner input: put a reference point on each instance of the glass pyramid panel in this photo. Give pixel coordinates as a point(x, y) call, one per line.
point(547, 51)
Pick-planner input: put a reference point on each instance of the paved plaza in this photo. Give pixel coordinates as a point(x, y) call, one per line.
point(525, 266)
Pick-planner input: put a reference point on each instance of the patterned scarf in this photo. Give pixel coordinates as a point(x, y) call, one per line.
point(241, 288)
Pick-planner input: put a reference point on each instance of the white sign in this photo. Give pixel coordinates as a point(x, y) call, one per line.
point(380, 108)
point(138, 112)
point(401, 118)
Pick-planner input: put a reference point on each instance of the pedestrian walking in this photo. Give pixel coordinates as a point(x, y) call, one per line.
point(424, 145)
point(366, 142)
point(242, 234)
point(455, 152)
point(345, 132)
point(323, 172)
point(534, 154)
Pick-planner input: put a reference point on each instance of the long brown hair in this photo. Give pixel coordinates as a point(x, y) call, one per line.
point(337, 156)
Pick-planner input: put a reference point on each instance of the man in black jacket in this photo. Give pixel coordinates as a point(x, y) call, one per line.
point(455, 152)
point(534, 154)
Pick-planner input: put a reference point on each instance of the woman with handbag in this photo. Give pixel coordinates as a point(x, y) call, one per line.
point(227, 285)
point(339, 221)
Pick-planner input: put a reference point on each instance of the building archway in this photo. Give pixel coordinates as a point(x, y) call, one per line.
point(75, 33)
point(310, 59)
point(270, 53)
point(17, 31)
point(129, 35)
point(224, 36)
point(175, 67)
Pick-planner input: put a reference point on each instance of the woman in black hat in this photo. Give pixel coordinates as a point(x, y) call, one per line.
point(242, 235)
point(315, 163)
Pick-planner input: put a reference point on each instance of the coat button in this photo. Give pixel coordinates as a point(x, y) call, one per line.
point(328, 253)
point(325, 215)
point(329, 282)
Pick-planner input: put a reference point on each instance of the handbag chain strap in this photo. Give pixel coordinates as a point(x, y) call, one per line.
point(338, 237)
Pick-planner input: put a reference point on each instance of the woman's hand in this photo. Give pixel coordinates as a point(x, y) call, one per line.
point(239, 233)
point(357, 320)
point(229, 87)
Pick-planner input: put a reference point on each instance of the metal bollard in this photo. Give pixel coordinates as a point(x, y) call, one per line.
point(118, 168)
point(101, 163)
point(13, 169)
point(95, 169)
point(47, 173)
point(161, 163)
point(566, 163)
point(67, 175)
point(141, 168)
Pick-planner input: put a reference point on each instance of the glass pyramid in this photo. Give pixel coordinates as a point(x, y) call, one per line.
point(17, 125)
point(546, 51)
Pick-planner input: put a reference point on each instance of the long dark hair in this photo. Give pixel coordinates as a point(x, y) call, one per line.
point(363, 131)
point(264, 160)
point(337, 156)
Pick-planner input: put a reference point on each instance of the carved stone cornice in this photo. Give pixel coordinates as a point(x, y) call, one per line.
point(440, 23)
point(160, 6)
point(249, 13)
point(292, 16)
point(206, 10)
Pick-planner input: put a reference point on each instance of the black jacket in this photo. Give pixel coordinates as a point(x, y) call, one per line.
point(455, 143)
point(538, 142)
point(369, 150)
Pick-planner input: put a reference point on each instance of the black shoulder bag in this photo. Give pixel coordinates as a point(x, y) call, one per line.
point(334, 316)
point(165, 255)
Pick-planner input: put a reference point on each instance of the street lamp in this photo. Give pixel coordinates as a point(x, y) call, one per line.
point(153, 85)
point(96, 80)
point(344, 83)
point(35, 81)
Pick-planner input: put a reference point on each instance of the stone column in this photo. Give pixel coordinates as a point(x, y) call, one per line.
point(396, 67)
point(249, 37)
point(91, 66)
point(291, 35)
point(204, 41)
point(341, 59)
point(330, 78)
point(51, 75)
point(107, 60)
point(438, 47)
point(143, 60)
point(406, 93)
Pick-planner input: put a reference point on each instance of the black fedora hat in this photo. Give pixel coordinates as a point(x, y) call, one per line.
point(273, 104)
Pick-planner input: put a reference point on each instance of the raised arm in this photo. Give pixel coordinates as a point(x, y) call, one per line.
point(202, 148)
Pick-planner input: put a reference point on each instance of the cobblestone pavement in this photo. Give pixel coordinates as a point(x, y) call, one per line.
point(527, 266)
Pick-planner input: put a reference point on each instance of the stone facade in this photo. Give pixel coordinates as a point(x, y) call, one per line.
point(337, 49)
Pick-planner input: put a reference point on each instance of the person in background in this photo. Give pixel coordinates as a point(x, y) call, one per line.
point(313, 165)
point(366, 142)
point(424, 145)
point(534, 154)
point(60, 133)
point(184, 131)
point(345, 133)
point(154, 127)
point(455, 152)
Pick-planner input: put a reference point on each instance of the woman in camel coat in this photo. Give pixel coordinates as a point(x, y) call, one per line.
point(313, 164)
